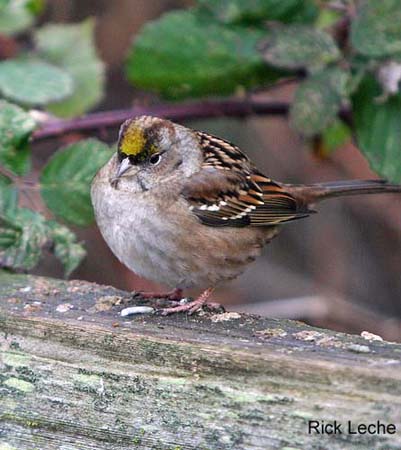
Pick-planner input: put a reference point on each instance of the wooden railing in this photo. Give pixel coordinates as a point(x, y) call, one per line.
point(74, 374)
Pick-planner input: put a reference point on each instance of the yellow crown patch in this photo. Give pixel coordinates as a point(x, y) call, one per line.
point(133, 141)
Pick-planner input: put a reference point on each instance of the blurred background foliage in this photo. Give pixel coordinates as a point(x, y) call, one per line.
point(329, 70)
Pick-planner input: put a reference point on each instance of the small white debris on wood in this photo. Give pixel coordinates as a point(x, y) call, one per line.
point(26, 289)
point(370, 336)
point(307, 335)
point(225, 317)
point(184, 301)
point(132, 310)
point(64, 307)
point(357, 348)
point(101, 388)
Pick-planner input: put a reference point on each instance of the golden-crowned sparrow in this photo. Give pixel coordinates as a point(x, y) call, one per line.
point(184, 208)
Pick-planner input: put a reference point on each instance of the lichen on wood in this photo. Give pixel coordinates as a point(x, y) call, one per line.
point(84, 377)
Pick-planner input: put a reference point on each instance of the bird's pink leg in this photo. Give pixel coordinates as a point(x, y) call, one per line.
point(175, 294)
point(193, 306)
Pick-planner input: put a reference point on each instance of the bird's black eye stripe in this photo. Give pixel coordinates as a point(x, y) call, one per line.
point(121, 156)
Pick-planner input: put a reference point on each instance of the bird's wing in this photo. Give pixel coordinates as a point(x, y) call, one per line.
point(229, 191)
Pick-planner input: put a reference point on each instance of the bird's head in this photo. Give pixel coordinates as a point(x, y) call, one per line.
point(152, 148)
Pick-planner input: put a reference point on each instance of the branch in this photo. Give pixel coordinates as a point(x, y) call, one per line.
point(7, 173)
point(174, 111)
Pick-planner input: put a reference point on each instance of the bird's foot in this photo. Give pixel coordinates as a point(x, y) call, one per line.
point(160, 299)
point(195, 305)
point(174, 295)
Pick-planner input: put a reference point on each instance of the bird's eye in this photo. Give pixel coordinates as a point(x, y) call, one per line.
point(155, 159)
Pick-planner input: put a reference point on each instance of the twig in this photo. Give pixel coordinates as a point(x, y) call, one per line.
point(7, 173)
point(336, 6)
point(20, 182)
point(175, 111)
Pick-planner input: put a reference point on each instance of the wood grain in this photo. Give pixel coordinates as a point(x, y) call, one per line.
point(74, 374)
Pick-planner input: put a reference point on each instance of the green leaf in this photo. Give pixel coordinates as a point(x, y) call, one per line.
point(9, 235)
point(336, 135)
point(66, 248)
point(255, 11)
point(15, 128)
point(376, 30)
point(3, 4)
point(65, 180)
point(35, 6)
point(307, 13)
point(318, 100)
point(187, 54)
point(378, 129)
point(72, 48)
point(16, 16)
point(23, 235)
point(19, 161)
point(8, 195)
point(299, 46)
point(33, 82)
point(22, 238)
point(327, 18)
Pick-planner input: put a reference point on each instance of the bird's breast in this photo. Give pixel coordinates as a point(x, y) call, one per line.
point(163, 241)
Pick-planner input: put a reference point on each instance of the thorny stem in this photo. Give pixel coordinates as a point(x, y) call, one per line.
point(7, 173)
point(52, 127)
point(20, 182)
point(175, 111)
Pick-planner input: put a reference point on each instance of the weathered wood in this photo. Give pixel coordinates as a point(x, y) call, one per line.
point(82, 377)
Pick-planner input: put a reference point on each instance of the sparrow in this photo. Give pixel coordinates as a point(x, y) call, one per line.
point(187, 209)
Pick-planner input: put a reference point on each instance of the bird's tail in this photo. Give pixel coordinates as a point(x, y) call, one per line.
point(312, 193)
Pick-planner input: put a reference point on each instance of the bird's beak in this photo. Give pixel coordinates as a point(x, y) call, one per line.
point(123, 167)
